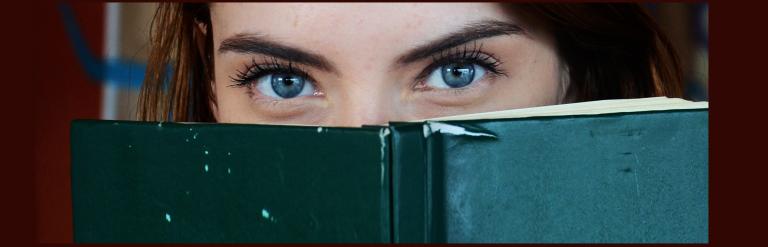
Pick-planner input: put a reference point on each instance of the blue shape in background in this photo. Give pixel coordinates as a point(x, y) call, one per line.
point(119, 72)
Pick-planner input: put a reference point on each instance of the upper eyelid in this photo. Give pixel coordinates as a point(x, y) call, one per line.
point(273, 65)
point(461, 51)
point(457, 53)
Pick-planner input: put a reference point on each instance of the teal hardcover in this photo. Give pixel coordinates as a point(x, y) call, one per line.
point(220, 183)
point(611, 178)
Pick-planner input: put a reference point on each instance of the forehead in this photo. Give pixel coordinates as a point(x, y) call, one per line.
point(351, 25)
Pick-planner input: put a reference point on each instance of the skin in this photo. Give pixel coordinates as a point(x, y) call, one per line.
point(364, 42)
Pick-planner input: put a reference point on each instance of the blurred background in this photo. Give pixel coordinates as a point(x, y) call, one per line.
point(101, 49)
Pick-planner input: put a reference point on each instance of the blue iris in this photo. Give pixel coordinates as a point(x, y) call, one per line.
point(458, 74)
point(287, 85)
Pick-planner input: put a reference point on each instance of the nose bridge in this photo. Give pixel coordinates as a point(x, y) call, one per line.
point(363, 94)
point(364, 103)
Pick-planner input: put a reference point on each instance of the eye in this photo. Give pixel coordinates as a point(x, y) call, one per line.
point(455, 75)
point(284, 85)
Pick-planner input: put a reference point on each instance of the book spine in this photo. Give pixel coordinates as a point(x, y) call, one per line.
point(410, 223)
point(435, 189)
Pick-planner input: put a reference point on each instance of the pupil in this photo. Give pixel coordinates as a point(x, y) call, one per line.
point(286, 85)
point(458, 74)
point(289, 81)
point(456, 71)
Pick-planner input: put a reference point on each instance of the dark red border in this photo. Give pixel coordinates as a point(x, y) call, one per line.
point(737, 71)
point(737, 92)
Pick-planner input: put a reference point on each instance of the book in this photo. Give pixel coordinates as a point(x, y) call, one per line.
point(613, 171)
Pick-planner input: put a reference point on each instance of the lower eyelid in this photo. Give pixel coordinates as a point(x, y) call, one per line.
point(459, 97)
point(475, 87)
point(293, 106)
point(256, 95)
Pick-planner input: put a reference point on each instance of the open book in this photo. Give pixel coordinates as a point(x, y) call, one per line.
point(613, 171)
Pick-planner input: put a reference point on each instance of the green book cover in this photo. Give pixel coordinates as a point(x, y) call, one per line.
point(623, 177)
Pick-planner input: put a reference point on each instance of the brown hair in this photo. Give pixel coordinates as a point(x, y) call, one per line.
point(176, 84)
point(609, 50)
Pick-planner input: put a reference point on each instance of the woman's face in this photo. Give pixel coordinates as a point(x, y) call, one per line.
point(352, 64)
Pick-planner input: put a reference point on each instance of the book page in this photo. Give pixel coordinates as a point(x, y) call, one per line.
point(586, 108)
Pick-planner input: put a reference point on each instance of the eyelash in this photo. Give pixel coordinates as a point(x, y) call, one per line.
point(467, 53)
point(464, 53)
point(256, 70)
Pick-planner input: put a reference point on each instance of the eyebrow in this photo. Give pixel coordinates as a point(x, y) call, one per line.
point(470, 32)
point(252, 43)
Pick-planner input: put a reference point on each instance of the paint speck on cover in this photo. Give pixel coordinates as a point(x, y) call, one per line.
point(229, 153)
point(190, 129)
point(187, 139)
point(265, 215)
point(194, 136)
point(160, 124)
point(130, 146)
point(187, 192)
point(229, 171)
point(205, 152)
point(168, 217)
point(205, 167)
point(319, 129)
